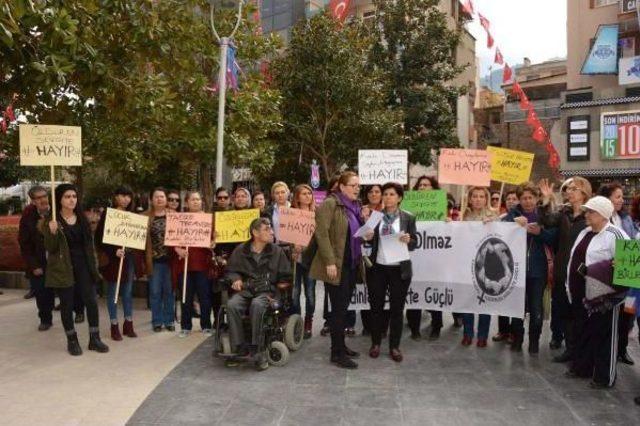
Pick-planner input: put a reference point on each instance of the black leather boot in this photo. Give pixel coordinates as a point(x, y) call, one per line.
point(73, 346)
point(95, 344)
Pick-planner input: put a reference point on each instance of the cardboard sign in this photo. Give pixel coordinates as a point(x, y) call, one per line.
point(426, 205)
point(464, 167)
point(44, 145)
point(233, 226)
point(381, 166)
point(296, 226)
point(125, 229)
point(188, 230)
point(626, 270)
point(510, 166)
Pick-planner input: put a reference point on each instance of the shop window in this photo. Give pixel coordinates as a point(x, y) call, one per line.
point(579, 97)
point(632, 92)
point(601, 3)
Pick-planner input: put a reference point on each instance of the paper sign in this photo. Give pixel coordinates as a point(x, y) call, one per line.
point(426, 205)
point(626, 270)
point(372, 222)
point(125, 229)
point(233, 226)
point(393, 249)
point(382, 166)
point(296, 226)
point(464, 167)
point(188, 230)
point(510, 166)
point(319, 196)
point(44, 145)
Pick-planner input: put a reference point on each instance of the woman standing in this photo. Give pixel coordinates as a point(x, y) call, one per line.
point(614, 192)
point(157, 264)
point(259, 201)
point(72, 263)
point(478, 210)
point(387, 275)
point(198, 264)
point(541, 235)
point(337, 259)
point(123, 201)
point(280, 198)
point(303, 200)
point(173, 200)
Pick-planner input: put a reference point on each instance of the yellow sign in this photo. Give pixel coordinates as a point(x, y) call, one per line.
point(233, 226)
point(45, 145)
point(125, 229)
point(509, 166)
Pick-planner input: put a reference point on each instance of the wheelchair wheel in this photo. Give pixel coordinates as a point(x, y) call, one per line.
point(277, 354)
point(294, 332)
point(225, 345)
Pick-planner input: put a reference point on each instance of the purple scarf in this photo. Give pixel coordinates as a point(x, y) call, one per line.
point(353, 217)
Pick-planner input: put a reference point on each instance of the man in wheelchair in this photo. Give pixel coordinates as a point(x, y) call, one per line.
point(254, 269)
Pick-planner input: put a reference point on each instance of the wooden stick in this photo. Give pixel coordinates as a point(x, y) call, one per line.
point(53, 193)
point(501, 192)
point(115, 300)
point(184, 277)
point(465, 201)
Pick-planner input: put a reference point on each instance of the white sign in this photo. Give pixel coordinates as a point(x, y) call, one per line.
point(578, 152)
point(466, 267)
point(381, 166)
point(372, 222)
point(578, 138)
point(629, 70)
point(579, 125)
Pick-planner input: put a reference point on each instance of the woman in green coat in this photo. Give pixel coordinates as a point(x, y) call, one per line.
point(71, 262)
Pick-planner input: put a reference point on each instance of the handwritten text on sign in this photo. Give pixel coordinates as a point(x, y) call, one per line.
point(426, 205)
point(626, 271)
point(510, 166)
point(233, 226)
point(44, 145)
point(188, 230)
point(296, 226)
point(382, 166)
point(464, 167)
point(125, 229)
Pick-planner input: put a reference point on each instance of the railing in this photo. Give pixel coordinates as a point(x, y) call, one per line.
point(546, 110)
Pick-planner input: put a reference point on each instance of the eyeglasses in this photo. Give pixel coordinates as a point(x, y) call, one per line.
point(495, 199)
point(353, 185)
point(174, 200)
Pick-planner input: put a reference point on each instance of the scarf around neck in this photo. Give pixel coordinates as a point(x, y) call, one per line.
point(353, 217)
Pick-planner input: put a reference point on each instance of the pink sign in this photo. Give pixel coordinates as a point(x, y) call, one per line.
point(319, 196)
point(296, 226)
point(188, 230)
point(464, 167)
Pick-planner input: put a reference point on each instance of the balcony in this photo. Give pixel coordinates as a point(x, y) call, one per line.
point(548, 109)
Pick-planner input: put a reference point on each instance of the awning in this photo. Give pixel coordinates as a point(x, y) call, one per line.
point(601, 172)
point(601, 102)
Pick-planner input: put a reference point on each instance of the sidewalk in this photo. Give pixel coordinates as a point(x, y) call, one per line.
point(41, 384)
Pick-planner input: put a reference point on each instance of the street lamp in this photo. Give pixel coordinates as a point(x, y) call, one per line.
point(222, 77)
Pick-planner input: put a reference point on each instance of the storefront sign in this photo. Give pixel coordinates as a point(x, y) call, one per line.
point(578, 138)
point(620, 135)
point(603, 57)
point(627, 6)
point(629, 71)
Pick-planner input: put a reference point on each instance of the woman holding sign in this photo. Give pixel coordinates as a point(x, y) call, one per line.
point(122, 200)
point(72, 263)
point(391, 271)
point(478, 210)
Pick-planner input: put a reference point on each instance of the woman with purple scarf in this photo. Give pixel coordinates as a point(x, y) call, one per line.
point(338, 259)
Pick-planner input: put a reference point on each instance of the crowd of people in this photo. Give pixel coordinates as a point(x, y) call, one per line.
point(571, 237)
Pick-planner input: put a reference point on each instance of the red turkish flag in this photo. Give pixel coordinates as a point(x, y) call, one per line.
point(468, 7)
point(517, 90)
point(524, 102)
point(490, 40)
point(507, 74)
point(339, 9)
point(484, 22)
point(539, 135)
point(9, 113)
point(499, 59)
point(532, 119)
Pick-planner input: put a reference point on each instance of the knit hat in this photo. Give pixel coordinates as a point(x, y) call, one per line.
point(601, 205)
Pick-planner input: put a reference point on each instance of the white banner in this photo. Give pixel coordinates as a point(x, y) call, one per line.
point(629, 71)
point(465, 267)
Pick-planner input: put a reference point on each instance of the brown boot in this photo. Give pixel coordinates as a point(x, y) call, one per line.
point(127, 329)
point(115, 332)
point(308, 325)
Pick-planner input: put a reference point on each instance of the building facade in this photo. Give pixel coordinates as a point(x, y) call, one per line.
point(598, 136)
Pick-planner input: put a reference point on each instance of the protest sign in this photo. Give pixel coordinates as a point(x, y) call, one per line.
point(509, 166)
point(188, 230)
point(233, 226)
point(296, 226)
point(426, 205)
point(45, 145)
point(465, 267)
point(464, 167)
point(626, 270)
point(381, 166)
point(319, 196)
point(125, 229)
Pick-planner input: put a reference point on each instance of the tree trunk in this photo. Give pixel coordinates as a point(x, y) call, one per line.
point(207, 187)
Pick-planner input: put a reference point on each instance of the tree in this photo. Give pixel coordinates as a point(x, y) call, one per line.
point(416, 50)
point(332, 101)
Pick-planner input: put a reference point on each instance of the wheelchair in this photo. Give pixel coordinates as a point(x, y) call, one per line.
point(282, 332)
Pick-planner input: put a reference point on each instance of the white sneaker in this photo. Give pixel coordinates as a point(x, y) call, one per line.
point(207, 332)
point(184, 333)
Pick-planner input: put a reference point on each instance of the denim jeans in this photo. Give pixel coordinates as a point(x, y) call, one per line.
point(161, 295)
point(302, 276)
point(125, 293)
point(197, 283)
point(484, 322)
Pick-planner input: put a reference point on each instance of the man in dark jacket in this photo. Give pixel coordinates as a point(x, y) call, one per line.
point(254, 268)
point(33, 252)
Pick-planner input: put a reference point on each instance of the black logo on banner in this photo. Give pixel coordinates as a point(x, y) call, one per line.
point(494, 271)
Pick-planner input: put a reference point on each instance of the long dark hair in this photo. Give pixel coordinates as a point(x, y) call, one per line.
point(124, 190)
point(607, 190)
point(433, 181)
point(82, 220)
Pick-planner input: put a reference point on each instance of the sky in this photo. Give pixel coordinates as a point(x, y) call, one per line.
point(536, 29)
